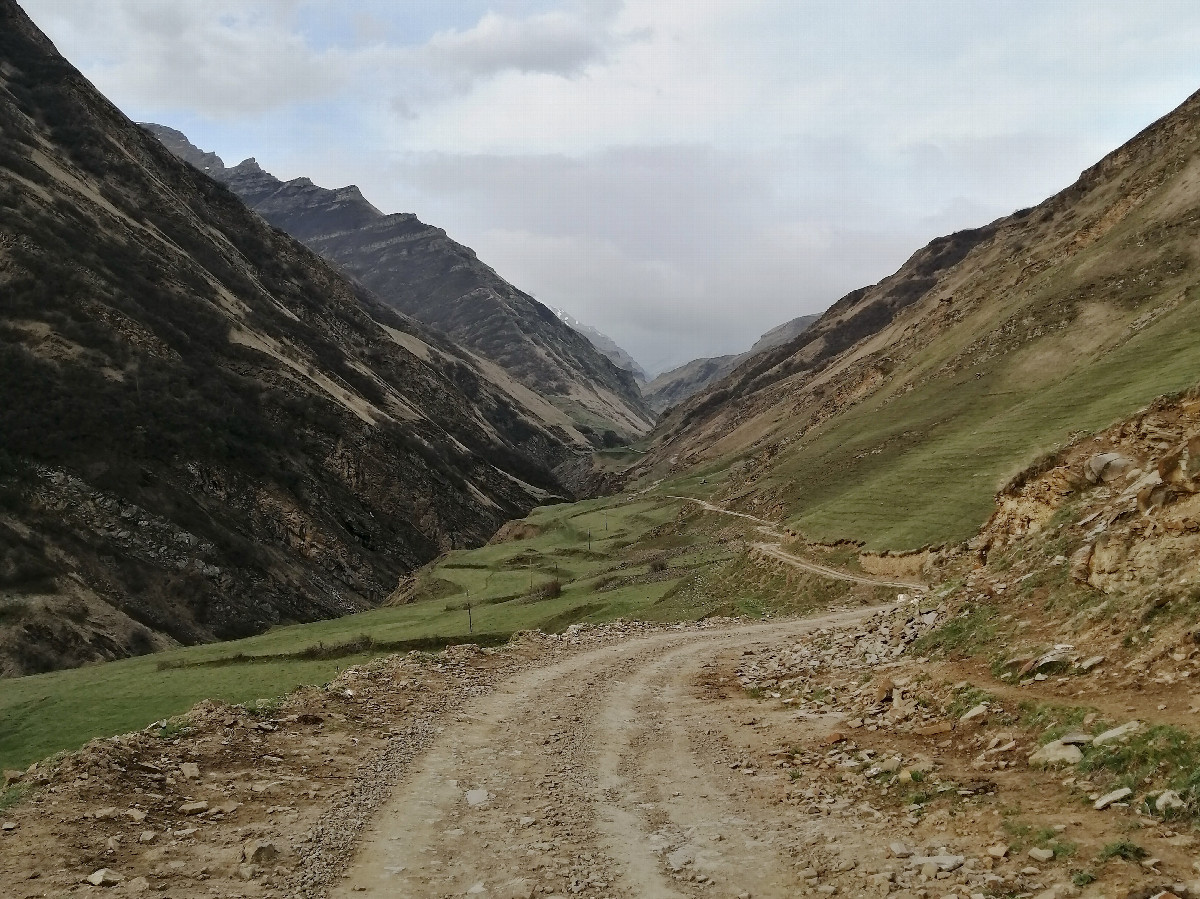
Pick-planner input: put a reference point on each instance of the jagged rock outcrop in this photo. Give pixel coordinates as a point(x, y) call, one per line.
point(419, 270)
point(205, 429)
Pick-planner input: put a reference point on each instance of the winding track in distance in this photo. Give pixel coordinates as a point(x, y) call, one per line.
point(776, 551)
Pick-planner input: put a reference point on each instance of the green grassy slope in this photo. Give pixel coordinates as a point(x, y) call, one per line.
point(895, 418)
point(947, 446)
point(609, 579)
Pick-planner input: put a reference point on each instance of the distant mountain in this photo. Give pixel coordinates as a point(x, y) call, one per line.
point(895, 418)
point(605, 344)
point(205, 429)
point(674, 386)
point(419, 270)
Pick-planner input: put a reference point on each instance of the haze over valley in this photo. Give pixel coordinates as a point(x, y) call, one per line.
point(619, 449)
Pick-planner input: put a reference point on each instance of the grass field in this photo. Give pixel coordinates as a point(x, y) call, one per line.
point(920, 468)
point(614, 557)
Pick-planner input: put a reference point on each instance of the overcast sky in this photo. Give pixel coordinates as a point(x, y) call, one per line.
point(682, 174)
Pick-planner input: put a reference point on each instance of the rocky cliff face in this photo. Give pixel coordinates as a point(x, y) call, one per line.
point(205, 429)
point(417, 269)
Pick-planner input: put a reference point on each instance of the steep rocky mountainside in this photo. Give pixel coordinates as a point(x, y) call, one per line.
point(673, 387)
point(204, 428)
point(605, 344)
point(417, 269)
point(895, 417)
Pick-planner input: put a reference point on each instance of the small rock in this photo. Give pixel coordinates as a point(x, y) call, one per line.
point(477, 797)
point(106, 814)
point(259, 852)
point(137, 885)
point(190, 770)
point(899, 850)
point(1117, 733)
point(1109, 798)
point(8, 826)
point(193, 808)
point(1089, 664)
point(105, 877)
point(136, 814)
point(1041, 855)
point(1000, 850)
point(1168, 800)
point(1056, 753)
point(148, 836)
point(976, 712)
point(931, 730)
point(12, 777)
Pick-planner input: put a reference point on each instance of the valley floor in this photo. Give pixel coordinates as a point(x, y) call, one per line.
point(812, 756)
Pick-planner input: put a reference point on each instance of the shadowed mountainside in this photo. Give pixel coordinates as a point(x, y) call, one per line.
point(417, 269)
point(204, 428)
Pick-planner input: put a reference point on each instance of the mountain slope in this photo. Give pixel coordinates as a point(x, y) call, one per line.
point(420, 271)
point(673, 387)
point(897, 415)
point(204, 428)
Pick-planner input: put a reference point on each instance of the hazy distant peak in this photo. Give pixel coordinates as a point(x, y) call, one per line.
point(603, 343)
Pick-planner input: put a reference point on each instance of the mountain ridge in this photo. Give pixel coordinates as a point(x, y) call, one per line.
point(895, 417)
point(205, 430)
point(670, 388)
point(419, 270)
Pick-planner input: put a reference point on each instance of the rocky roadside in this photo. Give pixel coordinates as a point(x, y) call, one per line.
point(917, 784)
point(238, 801)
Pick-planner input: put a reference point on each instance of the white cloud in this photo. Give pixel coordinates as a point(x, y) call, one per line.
point(683, 174)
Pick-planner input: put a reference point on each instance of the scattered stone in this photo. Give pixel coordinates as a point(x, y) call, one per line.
point(1041, 855)
point(193, 808)
point(932, 730)
point(259, 852)
point(1090, 663)
point(8, 826)
point(137, 885)
point(1168, 800)
point(477, 797)
point(1056, 752)
point(899, 850)
point(1117, 733)
point(105, 877)
point(190, 770)
point(1000, 850)
point(148, 836)
point(1109, 798)
point(976, 712)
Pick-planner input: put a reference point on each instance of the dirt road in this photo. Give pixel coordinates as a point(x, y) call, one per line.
point(600, 775)
point(775, 551)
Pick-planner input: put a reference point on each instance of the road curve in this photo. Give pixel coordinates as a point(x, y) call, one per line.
point(776, 551)
point(597, 776)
